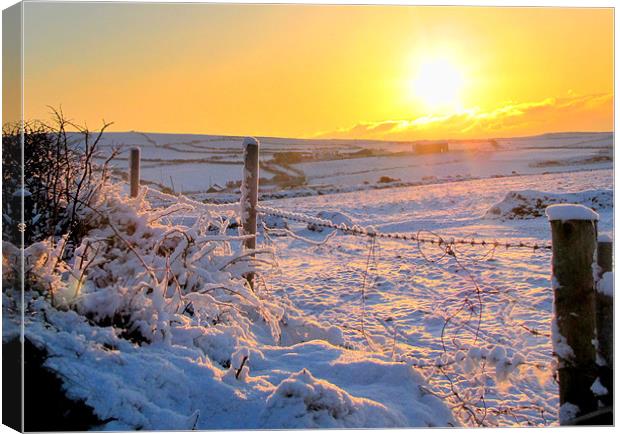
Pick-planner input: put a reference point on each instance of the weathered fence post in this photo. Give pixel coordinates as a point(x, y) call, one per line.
point(249, 194)
point(605, 318)
point(574, 234)
point(134, 172)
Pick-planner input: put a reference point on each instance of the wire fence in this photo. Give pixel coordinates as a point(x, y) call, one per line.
point(449, 382)
point(371, 232)
point(418, 237)
point(468, 259)
point(464, 312)
point(161, 198)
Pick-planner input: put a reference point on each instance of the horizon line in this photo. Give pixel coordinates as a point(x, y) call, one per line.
point(473, 139)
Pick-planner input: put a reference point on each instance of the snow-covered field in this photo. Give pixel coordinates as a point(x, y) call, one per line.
point(151, 321)
point(411, 292)
point(452, 165)
point(193, 163)
point(475, 324)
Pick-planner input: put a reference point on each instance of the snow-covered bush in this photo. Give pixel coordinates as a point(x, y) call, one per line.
point(134, 278)
point(60, 177)
point(143, 277)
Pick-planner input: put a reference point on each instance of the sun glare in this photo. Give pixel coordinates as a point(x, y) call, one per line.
point(438, 84)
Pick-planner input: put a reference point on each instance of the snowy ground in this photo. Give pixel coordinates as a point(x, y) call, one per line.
point(408, 297)
point(156, 328)
point(343, 333)
point(415, 168)
point(412, 291)
point(193, 163)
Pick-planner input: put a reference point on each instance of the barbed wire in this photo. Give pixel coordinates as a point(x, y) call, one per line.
point(466, 315)
point(357, 230)
point(182, 199)
point(475, 409)
point(415, 237)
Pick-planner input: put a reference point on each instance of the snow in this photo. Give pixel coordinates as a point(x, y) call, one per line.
point(153, 325)
point(175, 386)
point(336, 217)
point(273, 222)
point(566, 212)
point(527, 204)
point(193, 177)
point(195, 162)
point(598, 389)
point(408, 299)
point(249, 141)
point(343, 331)
point(450, 166)
point(302, 401)
point(560, 345)
point(606, 284)
point(568, 412)
point(22, 192)
point(605, 238)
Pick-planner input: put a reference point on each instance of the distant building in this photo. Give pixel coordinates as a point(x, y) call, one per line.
point(431, 148)
point(326, 154)
point(215, 188)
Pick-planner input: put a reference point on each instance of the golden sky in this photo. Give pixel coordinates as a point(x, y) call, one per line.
point(387, 72)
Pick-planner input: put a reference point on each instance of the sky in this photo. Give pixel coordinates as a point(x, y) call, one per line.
point(362, 72)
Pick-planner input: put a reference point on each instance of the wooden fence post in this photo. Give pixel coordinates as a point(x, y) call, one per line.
point(134, 172)
point(605, 321)
point(249, 194)
point(574, 235)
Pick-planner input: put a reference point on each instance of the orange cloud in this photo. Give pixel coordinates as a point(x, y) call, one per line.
point(571, 113)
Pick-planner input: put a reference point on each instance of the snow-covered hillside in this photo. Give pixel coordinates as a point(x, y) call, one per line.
point(194, 163)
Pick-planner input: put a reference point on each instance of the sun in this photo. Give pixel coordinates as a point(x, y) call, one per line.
point(438, 84)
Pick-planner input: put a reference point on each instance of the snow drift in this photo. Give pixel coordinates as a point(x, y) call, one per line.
point(528, 204)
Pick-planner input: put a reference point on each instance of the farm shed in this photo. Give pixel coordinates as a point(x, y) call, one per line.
point(430, 148)
point(215, 188)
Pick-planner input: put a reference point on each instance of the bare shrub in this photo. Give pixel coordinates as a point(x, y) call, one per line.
point(59, 173)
